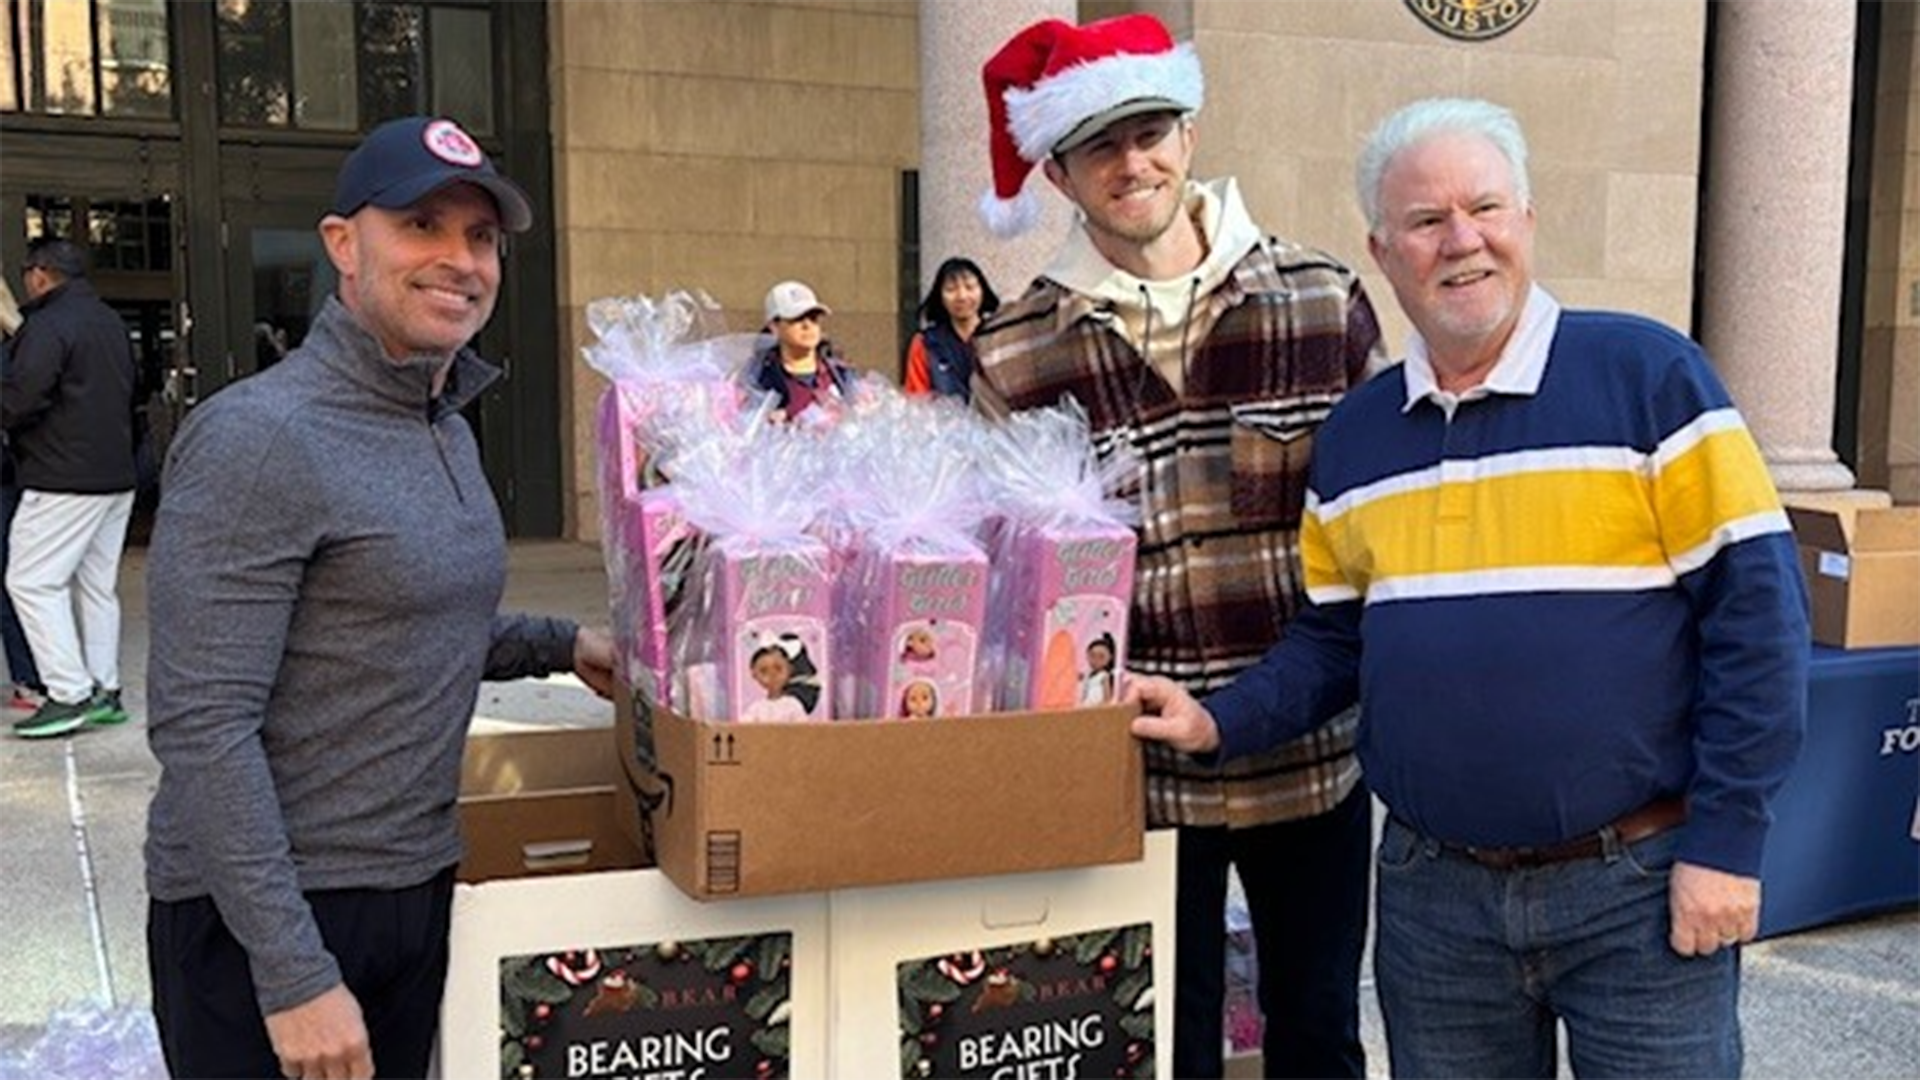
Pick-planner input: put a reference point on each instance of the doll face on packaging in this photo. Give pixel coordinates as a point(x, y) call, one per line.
point(919, 700)
point(772, 669)
point(1099, 655)
point(919, 644)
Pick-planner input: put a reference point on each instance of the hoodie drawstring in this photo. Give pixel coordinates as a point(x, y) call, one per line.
point(1186, 324)
point(1145, 350)
point(1146, 339)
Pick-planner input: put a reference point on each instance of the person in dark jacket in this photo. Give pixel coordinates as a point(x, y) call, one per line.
point(799, 366)
point(67, 406)
point(940, 357)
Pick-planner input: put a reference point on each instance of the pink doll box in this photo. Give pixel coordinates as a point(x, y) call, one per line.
point(1069, 635)
point(663, 526)
point(774, 607)
point(623, 461)
point(640, 527)
point(620, 462)
point(923, 648)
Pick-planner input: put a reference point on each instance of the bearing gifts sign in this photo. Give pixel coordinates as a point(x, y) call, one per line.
point(1049, 1009)
point(667, 1010)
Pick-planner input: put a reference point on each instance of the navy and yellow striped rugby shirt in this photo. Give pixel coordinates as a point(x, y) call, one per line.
point(1554, 607)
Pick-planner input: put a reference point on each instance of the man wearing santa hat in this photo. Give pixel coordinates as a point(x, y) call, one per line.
point(1214, 350)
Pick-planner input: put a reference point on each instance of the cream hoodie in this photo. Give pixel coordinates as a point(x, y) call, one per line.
point(1181, 317)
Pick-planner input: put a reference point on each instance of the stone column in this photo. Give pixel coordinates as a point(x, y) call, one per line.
point(955, 40)
point(1775, 221)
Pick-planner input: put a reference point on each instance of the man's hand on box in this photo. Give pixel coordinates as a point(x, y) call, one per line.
point(1171, 715)
point(593, 660)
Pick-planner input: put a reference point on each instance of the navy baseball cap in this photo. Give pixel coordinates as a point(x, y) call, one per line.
point(403, 161)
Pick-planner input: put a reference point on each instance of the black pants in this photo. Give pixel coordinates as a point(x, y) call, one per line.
point(392, 951)
point(1306, 886)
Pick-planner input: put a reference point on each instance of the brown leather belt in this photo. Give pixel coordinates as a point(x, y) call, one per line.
point(1656, 817)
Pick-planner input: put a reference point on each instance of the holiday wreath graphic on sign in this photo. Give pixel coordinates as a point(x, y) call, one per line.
point(1071, 1006)
point(714, 1008)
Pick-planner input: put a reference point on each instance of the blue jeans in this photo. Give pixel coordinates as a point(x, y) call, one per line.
point(20, 666)
point(1306, 886)
point(1475, 965)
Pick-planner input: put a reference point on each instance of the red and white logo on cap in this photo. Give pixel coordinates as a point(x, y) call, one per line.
point(446, 141)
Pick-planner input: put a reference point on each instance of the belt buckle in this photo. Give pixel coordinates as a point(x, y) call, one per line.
point(1533, 858)
point(1519, 858)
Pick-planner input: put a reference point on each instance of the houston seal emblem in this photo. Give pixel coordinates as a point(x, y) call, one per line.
point(1472, 20)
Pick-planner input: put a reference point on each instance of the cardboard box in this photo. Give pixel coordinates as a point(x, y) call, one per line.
point(618, 975)
point(1862, 565)
point(756, 809)
point(1056, 974)
point(542, 802)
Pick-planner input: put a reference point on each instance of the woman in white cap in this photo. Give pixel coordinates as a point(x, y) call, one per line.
point(799, 366)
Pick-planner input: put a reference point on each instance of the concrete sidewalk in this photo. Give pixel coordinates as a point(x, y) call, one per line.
point(1840, 1001)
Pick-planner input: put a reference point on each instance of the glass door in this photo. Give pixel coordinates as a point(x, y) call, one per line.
point(278, 278)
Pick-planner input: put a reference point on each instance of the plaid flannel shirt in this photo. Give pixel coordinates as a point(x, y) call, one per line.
point(1223, 480)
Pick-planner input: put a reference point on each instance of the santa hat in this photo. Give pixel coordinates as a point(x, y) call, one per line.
point(1056, 85)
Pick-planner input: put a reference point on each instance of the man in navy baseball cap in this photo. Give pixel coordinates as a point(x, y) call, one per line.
point(415, 232)
point(405, 159)
point(323, 581)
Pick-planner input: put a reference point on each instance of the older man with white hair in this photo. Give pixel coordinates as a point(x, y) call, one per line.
point(1545, 555)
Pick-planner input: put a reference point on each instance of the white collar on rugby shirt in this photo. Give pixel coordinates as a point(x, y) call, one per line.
point(1518, 371)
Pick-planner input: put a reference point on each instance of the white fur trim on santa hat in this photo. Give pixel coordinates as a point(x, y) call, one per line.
point(1052, 108)
point(1008, 218)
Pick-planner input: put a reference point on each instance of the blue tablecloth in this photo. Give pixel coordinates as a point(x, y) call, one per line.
point(1842, 843)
